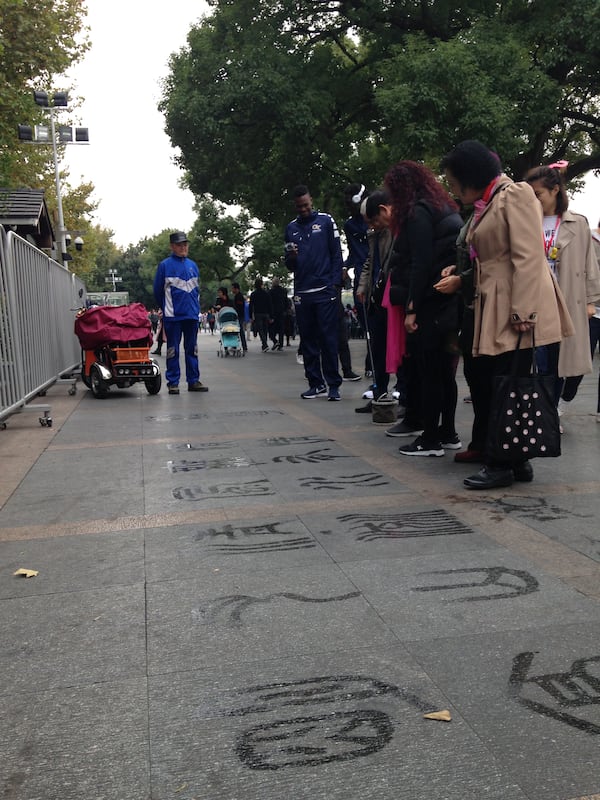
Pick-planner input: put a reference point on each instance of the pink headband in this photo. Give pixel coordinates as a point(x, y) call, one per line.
point(559, 165)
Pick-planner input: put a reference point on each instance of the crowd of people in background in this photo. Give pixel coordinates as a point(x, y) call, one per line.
point(474, 265)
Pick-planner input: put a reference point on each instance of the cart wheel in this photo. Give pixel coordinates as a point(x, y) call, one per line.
point(48, 422)
point(153, 385)
point(73, 390)
point(45, 422)
point(98, 385)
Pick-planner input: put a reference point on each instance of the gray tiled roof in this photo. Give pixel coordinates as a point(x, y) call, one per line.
point(21, 206)
point(25, 211)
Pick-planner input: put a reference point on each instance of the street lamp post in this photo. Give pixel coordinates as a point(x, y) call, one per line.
point(65, 134)
point(62, 231)
point(114, 278)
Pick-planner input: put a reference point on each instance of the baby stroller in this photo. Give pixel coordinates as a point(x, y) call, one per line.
point(115, 347)
point(230, 343)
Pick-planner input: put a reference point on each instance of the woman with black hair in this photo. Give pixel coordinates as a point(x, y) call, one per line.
point(514, 292)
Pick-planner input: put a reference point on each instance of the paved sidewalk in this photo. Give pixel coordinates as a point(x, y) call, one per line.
point(243, 595)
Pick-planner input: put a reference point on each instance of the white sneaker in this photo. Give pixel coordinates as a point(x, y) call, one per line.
point(368, 395)
point(299, 358)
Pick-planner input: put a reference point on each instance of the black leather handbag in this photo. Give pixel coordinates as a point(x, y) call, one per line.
point(523, 418)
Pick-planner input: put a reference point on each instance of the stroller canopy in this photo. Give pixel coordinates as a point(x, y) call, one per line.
point(228, 315)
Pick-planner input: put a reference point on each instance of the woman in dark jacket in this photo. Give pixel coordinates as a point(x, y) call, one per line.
point(425, 223)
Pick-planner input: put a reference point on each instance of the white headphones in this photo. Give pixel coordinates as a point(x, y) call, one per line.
point(359, 195)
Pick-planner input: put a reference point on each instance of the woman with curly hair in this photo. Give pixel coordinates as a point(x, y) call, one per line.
point(425, 223)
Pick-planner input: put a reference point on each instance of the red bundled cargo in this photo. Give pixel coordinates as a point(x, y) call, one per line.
point(102, 325)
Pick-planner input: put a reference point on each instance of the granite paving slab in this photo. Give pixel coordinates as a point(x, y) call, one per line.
point(533, 697)
point(393, 530)
point(66, 485)
point(77, 742)
point(72, 563)
point(466, 593)
point(242, 545)
point(171, 461)
point(566, 518)
point(179, 418)
point(199, 489)
point(221, 618)
point(342, 725)
point(113, 419)
point(68, 639)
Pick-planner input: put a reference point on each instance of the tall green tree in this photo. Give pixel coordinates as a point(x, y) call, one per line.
point(227, 244)
point(267, 95)
point(39, 41)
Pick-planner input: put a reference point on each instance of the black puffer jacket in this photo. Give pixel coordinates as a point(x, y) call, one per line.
point(426, 245)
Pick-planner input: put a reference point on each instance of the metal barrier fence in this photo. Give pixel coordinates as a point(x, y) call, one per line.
point(38, 299)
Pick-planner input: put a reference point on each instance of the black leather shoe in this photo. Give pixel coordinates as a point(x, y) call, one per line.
point(368, 409)
point(523, 472)
point(488, 478)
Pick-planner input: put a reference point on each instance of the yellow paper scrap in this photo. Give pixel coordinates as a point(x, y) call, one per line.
point(443, 716)
point(27, 573)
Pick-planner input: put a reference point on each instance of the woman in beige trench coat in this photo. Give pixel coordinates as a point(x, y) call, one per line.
point(571, 259)
point(514, 290)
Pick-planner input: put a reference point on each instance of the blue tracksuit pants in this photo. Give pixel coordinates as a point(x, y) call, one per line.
point(174, 330)
point(317, 316)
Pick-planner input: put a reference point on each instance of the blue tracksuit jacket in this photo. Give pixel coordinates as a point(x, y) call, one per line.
point(319, 261)
point(176, 288)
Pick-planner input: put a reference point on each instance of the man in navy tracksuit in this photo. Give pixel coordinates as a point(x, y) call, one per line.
point(314, 254)
point(177, 293)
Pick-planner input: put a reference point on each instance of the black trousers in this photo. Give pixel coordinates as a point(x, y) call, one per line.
point(437, 380)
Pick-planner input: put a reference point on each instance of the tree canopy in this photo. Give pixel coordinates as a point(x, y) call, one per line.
point(266, 95)
point(39, 40)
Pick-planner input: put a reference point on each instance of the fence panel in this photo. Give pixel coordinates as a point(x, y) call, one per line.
point(38, 299)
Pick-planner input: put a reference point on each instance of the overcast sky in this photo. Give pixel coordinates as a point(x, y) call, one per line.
point(130, 159)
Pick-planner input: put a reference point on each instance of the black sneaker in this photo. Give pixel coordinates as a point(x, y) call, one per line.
point(402, 428)
point(351, 376)
point(422, 448)
point(450, 442)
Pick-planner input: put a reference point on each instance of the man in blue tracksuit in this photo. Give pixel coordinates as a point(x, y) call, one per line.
point(314, 254)
point(176, 289)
